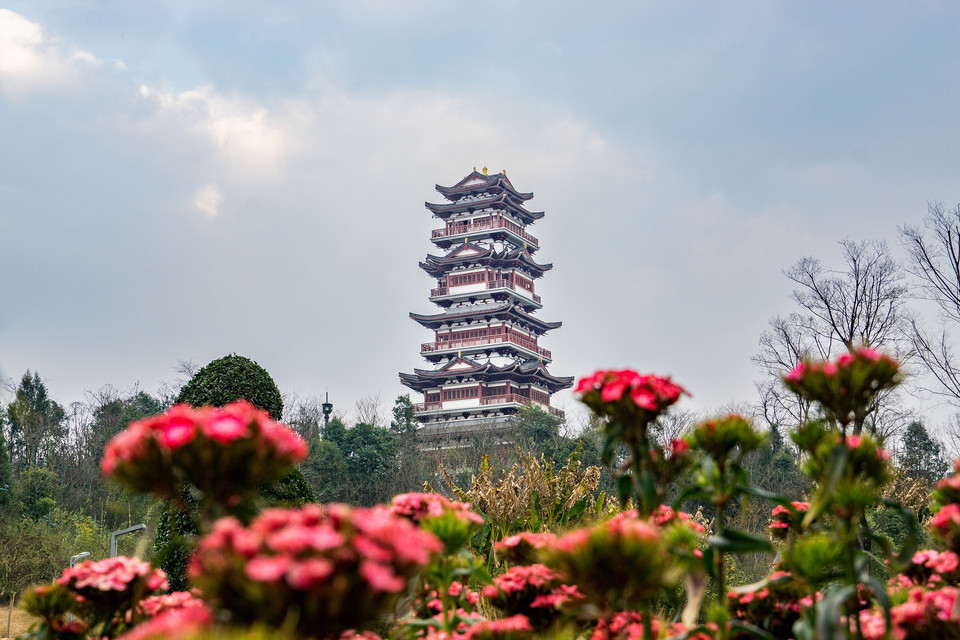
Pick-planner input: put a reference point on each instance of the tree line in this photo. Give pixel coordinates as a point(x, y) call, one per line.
point(54, 500)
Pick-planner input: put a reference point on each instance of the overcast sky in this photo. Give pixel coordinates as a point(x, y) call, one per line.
point(183, 180)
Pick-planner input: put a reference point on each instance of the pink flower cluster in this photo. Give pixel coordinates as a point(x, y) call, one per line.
point(614, 563)
point(172, 624)
point(510, 628)
point(341, 566)
point(665, 516)
point(524, 589)
point(112, 574)
point(648, 392)
point(845, 387)
point(783, 519)
point(854, 443)
point(624, 625)
point(775, 604)
point(522, 547)
point(925, 615)
point(215, 449)
point(833, 368)
point(155, 605)
point(934, 568)
point(432, 603)
point(417, 506)
point(945, 525)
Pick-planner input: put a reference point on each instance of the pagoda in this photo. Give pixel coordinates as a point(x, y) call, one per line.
point(486, 357)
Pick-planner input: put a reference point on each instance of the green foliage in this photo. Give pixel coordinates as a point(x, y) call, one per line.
point(5, 474)
point(35, 423)
point(369, 453)
point(539, 431)
point(173, 544)
point(292, 490)
point(326, 471)
point(232, 378)
point(403, 416)
point(923, 457)
point(35, 493)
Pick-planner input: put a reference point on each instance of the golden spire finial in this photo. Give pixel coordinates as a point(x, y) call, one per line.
point(474, 169)
point(504, 172)
point(484, 171)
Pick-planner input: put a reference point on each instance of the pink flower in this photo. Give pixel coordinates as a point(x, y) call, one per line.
point(267, 568)
point(172, 624)
point(644, 398)
point(613, 391)
point(381, 577)
point(225, 428)
point(796, 374)
point(306, 574)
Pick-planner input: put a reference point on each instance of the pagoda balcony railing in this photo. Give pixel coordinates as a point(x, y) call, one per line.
point(492, 284)
point(506, 284)
point(484, 225)
point(512, 398)
point(445, 345)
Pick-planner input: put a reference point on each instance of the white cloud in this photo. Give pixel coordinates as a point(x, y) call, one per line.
point(208, 200)
point(245, 133)
point(30, 59)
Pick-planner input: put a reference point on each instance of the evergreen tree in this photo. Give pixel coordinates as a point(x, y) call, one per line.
point(923, 457)
point(403, 415)
point(35, 424)
point(5, 474)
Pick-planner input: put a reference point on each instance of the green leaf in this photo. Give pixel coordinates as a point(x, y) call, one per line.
point(624, 489)
point(829, 614)
point(752, 629)
point(709, 563)
point(734, 541)
point(690, 493)
point(838, 464)
point(776, 498)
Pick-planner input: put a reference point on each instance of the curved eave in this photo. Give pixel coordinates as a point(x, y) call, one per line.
point(522, 372)
point(448, 209)
point(488, 181)
point(437, 266)
point(500, 310)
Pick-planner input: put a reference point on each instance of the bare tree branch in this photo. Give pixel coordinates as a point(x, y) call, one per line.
point(862, 304)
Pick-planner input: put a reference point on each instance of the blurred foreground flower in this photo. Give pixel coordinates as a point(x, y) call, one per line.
point(221, 453)
point(320, 570)
point(846, 387)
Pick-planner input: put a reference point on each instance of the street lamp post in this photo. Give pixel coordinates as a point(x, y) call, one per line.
point(117, 534)
point(327, 410)
point(78, 557)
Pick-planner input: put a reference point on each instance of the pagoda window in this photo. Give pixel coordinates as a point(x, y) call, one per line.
point(462, 393)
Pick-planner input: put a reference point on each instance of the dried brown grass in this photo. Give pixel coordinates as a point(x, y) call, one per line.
point(20, 621)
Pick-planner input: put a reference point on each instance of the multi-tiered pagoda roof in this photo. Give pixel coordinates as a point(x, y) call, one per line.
point(486, 356)
point(467, 255)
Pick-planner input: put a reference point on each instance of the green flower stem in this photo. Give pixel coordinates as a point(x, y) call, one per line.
point(721, 578)
point(647, 622)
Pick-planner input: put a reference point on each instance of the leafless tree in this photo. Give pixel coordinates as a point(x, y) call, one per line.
point(934, 252)
point(862, 304)
point(304, 414)
point(369, 409)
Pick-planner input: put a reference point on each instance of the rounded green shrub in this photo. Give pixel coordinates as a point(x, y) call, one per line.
point(232, 378)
